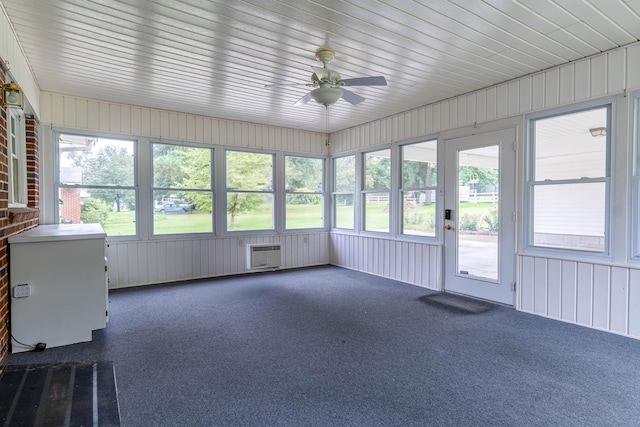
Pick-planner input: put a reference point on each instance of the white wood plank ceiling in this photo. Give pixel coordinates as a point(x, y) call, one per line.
point(214, 57)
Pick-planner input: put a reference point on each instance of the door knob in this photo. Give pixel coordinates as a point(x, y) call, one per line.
point(447, 227)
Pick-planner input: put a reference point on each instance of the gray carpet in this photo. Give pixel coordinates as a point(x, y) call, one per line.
point(333, 347)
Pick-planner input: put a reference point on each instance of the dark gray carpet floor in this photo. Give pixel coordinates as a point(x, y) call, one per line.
point(332, 347)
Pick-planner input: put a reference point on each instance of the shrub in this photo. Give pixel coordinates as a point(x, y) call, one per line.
point(469, 222)
point(491, 219)
point(93, 211)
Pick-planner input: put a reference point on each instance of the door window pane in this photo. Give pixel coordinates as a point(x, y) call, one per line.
point(478, 212)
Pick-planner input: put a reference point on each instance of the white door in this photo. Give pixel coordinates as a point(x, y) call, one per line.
point(479, 224)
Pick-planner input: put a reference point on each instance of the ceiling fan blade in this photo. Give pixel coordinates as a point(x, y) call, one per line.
point(304, 100)
point(351, 97)
point(366, 81)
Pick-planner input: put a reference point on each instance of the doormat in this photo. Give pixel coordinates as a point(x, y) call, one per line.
point(64, 394)
point(457, 303)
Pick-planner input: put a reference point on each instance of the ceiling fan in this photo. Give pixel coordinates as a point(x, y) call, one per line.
point(329, 86)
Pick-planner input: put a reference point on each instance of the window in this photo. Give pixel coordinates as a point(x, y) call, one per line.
point(635, 184)
point(344, 191)
point(568, 180)
point(182, 189)
point(96, 183)
point(376, 185)
point(418, 189)
point(17, 159)
point(304, 185)
point(249, 191)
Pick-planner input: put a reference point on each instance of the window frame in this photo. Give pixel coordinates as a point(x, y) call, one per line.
point(16, 132)
point(530, 183)
point(153, 189)
point(274, 192)
point(322, 193)
point(335, 193)
point(635, 180)
point(364, 192)
point(135, 188)
point(402, 189)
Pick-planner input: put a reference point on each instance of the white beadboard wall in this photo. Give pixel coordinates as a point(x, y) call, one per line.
point(159, 261)
point(604, 74)
point(72, 112)
point(133, 263)
point(11, 54)
point(406, 261)
point(599, 296)
point(596, 295)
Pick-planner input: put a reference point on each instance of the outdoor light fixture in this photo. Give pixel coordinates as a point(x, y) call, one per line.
point(12, 95)
point(598, 131)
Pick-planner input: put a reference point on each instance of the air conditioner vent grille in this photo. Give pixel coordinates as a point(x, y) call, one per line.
point(261, 256)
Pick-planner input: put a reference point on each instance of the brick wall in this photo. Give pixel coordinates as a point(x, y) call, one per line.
point(70, 209)
point(14, 220)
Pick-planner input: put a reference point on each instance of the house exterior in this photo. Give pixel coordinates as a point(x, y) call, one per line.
point(599, 290)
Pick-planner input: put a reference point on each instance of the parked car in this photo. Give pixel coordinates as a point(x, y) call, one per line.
point(172, 207)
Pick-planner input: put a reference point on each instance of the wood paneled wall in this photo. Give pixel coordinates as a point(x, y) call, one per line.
point(71, 112)
point(159, 261)
point(604, 74)
point(407, 261)
point(594, 294)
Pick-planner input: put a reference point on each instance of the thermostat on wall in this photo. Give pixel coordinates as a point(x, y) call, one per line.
point(21, 291)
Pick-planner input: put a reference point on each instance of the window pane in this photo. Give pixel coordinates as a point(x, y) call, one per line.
point(181, 167)
point(377, 170)
point(570, 216)
point(96, 161)
point(114, 209)
point(345, 174)
point(182, 212)
point(304, 174)
point(376, 212)
point(304, 211)
point(419, 213)
point(249, 211)
point(419, 165)
point(344, 211)
point(566, 149)
point(249, 171)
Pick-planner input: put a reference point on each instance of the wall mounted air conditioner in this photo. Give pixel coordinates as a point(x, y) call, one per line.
point(260, 255)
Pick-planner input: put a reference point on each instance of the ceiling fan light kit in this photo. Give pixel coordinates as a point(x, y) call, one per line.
point(329, 85)
point(326, 95)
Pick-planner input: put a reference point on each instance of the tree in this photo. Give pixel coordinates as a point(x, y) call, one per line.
point(251, 175)
point(419, 174)
point(303, 175)
point(108, 166)
point(486, 177)
point(183, 167)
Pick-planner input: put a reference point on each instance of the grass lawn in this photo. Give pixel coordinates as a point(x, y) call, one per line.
point(418, 220)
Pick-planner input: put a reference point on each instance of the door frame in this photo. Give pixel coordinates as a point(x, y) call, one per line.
point(503, 290)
